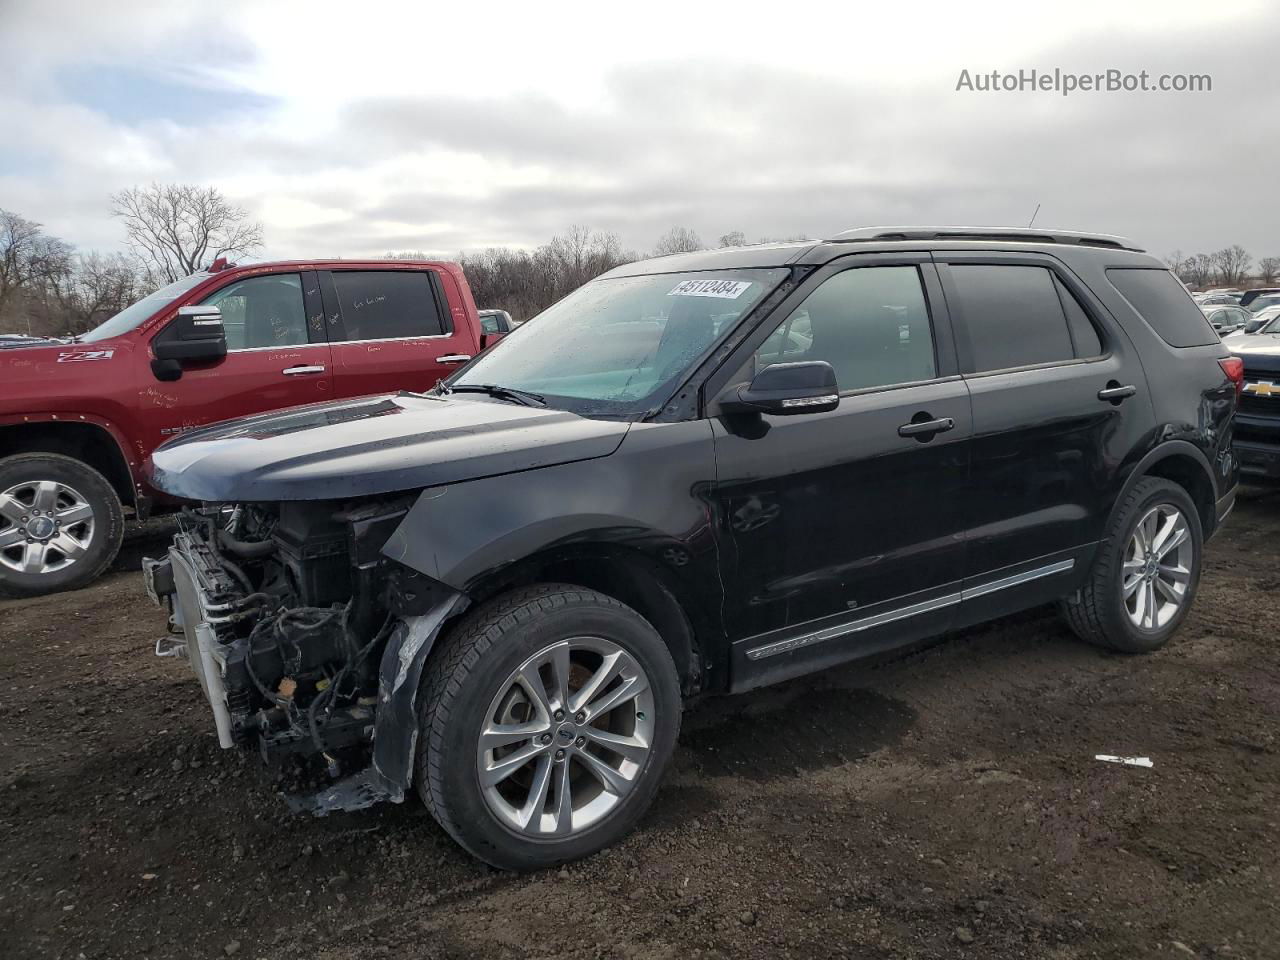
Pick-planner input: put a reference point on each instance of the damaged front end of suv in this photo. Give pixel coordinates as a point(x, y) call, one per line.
point(312, 582)
point(303, 640)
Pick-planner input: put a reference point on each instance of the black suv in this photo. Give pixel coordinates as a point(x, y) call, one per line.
point(698, 474)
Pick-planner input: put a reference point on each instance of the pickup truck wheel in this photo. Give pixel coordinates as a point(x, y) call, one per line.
point(546, 722)
point(60, 524)
point(1146, 572)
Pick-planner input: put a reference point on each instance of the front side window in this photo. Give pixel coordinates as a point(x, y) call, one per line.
point(870, 323)
point(387, 304)
point(1017, 316)
point(616, 345)
point(262, 312)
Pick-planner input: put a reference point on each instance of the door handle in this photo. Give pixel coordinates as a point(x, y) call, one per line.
point(926, 428)
point(454, 358)
point(294, 371)
point(1114, 392)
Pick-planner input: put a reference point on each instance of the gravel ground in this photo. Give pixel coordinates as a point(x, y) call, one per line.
point(945, 804)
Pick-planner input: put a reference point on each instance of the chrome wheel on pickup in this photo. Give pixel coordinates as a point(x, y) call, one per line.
point(60, 524)
point(546, 719)
point(45, 526)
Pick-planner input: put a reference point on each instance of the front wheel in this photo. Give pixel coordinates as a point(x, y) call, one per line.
point(61, 524)
point(546, 722)
point(1145, 576)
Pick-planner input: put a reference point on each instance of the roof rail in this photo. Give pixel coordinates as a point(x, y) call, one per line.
point(1006, 234)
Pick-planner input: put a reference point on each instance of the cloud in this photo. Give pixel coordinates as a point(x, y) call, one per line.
point(369, 138)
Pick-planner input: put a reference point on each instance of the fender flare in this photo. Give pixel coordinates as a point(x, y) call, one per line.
point(132, 465)
point(1163, 451)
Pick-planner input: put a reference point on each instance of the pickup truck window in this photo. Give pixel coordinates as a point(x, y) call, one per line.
point(387, 304)
point(615, 345)
point(262, 312)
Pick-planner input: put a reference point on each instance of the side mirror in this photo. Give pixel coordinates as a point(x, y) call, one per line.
point(785, 389)
point(195, 334)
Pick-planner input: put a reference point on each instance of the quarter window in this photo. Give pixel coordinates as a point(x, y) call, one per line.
point(387, 304)
point(262, 312)
point(1162, 301)
point(870, 323)
point(1017, 316)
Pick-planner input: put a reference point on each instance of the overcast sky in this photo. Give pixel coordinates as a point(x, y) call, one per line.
point(361, 128)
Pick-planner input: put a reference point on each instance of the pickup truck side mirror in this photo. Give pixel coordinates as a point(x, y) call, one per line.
point(195, 334)
point(785, 389)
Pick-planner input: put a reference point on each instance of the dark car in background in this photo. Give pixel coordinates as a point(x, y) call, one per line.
point(1257, 427)
point(694, 475)
point(1249, 296)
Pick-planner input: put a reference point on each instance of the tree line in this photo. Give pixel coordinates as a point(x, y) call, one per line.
point(525, 282)
point(49, 288)
point(1229, 267)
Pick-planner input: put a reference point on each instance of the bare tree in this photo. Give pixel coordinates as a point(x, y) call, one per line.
point(734, 238)
point(677, 240)
point(27, 255)
point(91, 289)
point(1200, 269)
point(1232, 264)
point(1268, 270)
point(177, 229)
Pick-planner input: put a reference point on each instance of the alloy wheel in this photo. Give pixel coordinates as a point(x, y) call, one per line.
point(1157, 567)
point(565, 738)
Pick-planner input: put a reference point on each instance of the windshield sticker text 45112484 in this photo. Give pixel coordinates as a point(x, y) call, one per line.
point(725, 289)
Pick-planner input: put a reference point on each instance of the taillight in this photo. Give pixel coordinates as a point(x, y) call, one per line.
point(1233, 367)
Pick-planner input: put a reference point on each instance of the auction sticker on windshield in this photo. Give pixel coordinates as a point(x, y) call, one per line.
point(725, 289)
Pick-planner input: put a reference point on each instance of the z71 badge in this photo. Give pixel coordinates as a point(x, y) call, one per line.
point(75, 356)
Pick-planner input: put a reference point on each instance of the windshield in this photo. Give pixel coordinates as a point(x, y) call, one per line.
point(617, 346)
point(131, 316)
point(1258, 304)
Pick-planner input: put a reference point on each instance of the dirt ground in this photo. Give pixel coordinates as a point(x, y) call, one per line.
point(946, 804)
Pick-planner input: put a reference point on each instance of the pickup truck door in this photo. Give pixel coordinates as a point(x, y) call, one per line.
point(277, 357)
point(395, 329)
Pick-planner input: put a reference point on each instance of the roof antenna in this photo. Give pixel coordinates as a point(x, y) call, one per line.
point(1033, 217)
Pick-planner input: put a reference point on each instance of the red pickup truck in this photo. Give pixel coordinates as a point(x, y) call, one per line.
point(79, 418)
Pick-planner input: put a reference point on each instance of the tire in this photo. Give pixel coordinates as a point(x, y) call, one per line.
point(77, 493)
point(471, 674)
point(1101, 612)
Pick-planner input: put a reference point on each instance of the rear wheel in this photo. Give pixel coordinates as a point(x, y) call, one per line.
point(547, 720)
point(1145, 576)
point(60, 524)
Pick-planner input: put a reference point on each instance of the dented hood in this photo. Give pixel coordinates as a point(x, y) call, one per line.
point(371, 446)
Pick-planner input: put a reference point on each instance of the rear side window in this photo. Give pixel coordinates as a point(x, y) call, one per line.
point(387, 304)
point(1016, 316)
point(1163, 302)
